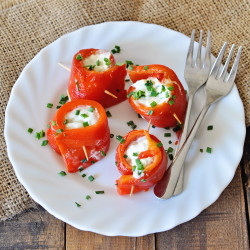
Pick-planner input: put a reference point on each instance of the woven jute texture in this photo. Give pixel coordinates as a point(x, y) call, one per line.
point(29, 26)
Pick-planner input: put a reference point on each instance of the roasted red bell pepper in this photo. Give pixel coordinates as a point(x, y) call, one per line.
point(160, 115)
point(86, 83)
point(69, 142)
point(152, 172)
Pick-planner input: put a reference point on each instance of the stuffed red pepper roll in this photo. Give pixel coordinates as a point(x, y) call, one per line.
point(157, 94)
point(78, 126)
point(93, 72)
point(142, 161)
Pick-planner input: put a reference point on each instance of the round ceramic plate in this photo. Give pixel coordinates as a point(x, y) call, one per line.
point(43, 81)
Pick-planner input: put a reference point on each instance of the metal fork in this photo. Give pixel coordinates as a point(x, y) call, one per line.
point(218, 86)
point(196, 74)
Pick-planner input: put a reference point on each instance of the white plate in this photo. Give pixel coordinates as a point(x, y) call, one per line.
point(42, 81)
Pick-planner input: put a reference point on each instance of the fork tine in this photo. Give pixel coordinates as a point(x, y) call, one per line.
point(218, 61)
point(208, 50)
point(191, 49)
point(233, 71)
point(198, 58)
point(223, 73)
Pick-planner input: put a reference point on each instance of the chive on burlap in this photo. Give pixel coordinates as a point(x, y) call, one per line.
point(28, 26)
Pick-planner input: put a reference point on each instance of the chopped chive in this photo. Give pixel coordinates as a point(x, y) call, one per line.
point(167, 128)
point(62, 173)
point(84, 115)
point(77, 86)
point(143, 180)
point(30, 130)
point(92, 162)
point(133, 168)
point(163, 88)
point(48, 125)
point(99, 192)
point(87, 197)
point(108, 114)
point(130, 123)
point(125, 156)
point(66, 121)
point(120, 139)
point(138, 94)
point(173, 97)
point(98, 63)
point(153, 104)
point(113, 51)
point(150, 112)
point(130, 67)
point(210, 127)
point(91, 178)
point(53, 123)
point(63, 99)
point(83, 175)
point(154, 93)
point(91, 67)
point(77, 112)
point(116, 163)
point(153, 126)
point(79, 57)
point(59, 106)
point(134, 126)
point(127, 80)
point(44, 142)
point(103, 154)
point(170, 88)
point(167, 134)
point(201, 150)
point(107, 61)
point(130, 94)
point(128, 63)
point(118, 90)
point(209, 150)
point(91, 109)
point(77, 204)
point(145, 67)
point(139, 164)
point(135, 154)
point(171, 157)
point(167, 94)
point(49, 105)
point(80, 169)
point(119, 64)
point(159, 144)
point(37, 135)
point(170, 150)
point(118, 48)
point(111, 135)
point(59, 131)
point(84, 160)
point(171, 102)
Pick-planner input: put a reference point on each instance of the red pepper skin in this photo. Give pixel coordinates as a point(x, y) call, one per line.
point(152, 173)
point(92, 84)
point(163, 113)
point(70, 142)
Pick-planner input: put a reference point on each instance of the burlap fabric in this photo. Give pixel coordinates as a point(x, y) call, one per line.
point(29, 26)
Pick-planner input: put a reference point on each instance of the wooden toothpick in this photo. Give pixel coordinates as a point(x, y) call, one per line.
point(132, 190)
point(85, 152)
point(63, 66)
point(69, 96)
point(149, 125)
point(177, 119)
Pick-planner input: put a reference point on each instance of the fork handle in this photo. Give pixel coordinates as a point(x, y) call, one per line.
point(179, 186)
point(166, 190)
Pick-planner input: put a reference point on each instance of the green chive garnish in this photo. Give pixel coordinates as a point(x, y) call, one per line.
point(153, 126)
point(167, 134)
point(77, 86)
point(30, 130)
point(128, 63)
point(133, 168)
point(150, 112)
point(130, 67)
point(88, 197)
point(145, 67)
point(80, 169)
point(77, 204)
point(167, 94)
point(84, 115)
point(83, 175)
point(53, 123)
point(103, 154)
point(163, 88)
point(171, 88)
point(59, 106)
point(108, 114)
point(91, 178)
point(170, 150)
point(111, 135)
point(171, 102)
point(91, 109)
point(92, 162)
point(63, 99)
point(66, 121)
point(62, 173)
point(173, 97)
point(85, 124)
point(99, 192)
point(201, 150)
point(59, 131)
point(107, 61)
point(153, 104)
point(48, 125)
point(139, 164)
point(171, 157)
point(49, 105)
point(210, 127)
point(135, 154)
point(84, 160)
point(44, 142)
point(125, 156)
point(143, 180)
point(79, 57)
point(170, 142)
point(77, 112)
point(159, 144)
point(209, 150)
point(116, 163)
point(130, 94)
point(98, 63)
point(120, 139)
